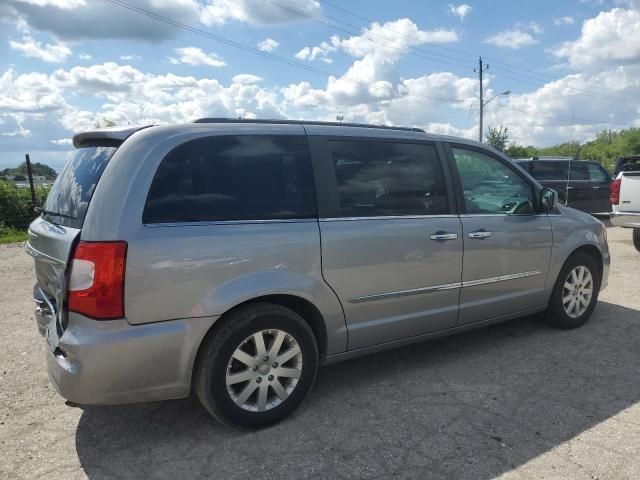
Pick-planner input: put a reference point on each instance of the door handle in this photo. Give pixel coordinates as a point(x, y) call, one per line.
point(480, 235)
point(444, 236)
point(597, 188)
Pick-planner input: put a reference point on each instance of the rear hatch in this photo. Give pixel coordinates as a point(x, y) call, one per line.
point(52, 236)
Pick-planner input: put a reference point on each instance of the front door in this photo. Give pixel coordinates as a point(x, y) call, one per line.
point(391, 240)
point(507, 245)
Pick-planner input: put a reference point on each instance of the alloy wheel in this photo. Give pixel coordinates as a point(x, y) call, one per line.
point(264, 370)
point(577, 291)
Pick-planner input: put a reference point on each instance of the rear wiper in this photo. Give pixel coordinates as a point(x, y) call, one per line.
point(50, 212)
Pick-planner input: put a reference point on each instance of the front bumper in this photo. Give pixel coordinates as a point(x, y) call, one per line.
point(112, 362)
point(626, 219)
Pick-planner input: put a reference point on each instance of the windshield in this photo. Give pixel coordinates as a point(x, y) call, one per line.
point(73, 189)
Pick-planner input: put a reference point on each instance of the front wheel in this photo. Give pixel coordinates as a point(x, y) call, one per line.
point(257, 366)
point(575, 293)
point(636, 238)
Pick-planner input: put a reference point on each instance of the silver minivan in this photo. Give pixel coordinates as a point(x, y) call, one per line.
point(231, 258)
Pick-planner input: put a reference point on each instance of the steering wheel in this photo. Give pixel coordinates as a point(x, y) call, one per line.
point(516, 204)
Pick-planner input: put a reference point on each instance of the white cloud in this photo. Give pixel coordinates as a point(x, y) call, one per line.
point(609, 38)
point(460, 11)
point(257, 12)
point(62, 4)
point(563, 21)
point(21, 132)
point(513, 39)
point(80, 19)
point(195, 56)
point(517, 37)
point(246, 78)
point(62, 141)
point(130, 57)
point(84, 56)
point(268, 45)
point(535, 27)
point(320, 52)
point(53, 53)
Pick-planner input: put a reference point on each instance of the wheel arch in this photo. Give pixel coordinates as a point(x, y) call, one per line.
point(559, 261)
point(594, 252)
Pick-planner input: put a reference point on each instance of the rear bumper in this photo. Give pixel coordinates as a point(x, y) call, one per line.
point(626, 219)
point(111, 362)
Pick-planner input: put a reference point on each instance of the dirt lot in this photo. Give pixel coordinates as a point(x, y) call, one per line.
point(517, 400)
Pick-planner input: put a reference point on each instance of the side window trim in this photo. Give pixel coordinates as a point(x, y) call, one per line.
point(449, 146)
point(327, 183)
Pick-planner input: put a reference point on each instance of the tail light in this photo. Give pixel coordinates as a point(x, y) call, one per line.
point(96, 283)
point(615, 191)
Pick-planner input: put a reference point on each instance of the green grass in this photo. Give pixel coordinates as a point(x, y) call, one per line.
point(12, 235)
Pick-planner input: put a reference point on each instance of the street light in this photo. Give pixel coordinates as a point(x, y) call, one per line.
point(484, 104)
point(505, 93)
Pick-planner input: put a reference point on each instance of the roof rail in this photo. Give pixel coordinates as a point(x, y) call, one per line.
point(303, 122)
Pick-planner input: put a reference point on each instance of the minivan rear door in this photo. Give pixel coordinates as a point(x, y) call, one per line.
point(53, 234)
point(391, 239)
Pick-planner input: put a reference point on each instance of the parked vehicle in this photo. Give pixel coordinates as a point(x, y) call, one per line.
point(581, 184)
point(625, 196)
point(630, 162)
point(235, 257)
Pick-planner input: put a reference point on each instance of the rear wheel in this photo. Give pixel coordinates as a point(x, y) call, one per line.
point(256, 367)
point(575, 293)
point(636, 238)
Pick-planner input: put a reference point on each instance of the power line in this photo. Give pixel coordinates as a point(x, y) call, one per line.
point(594, 90)
point(307, 13)
point(306, 67)
point(271, 56)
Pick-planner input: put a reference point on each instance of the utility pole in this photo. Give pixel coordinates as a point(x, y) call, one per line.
point(480, 70)
point(30, 176)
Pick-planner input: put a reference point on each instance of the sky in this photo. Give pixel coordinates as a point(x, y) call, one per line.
point(572, 67)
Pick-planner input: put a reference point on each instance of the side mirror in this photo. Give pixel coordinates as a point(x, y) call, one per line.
point(548, 199)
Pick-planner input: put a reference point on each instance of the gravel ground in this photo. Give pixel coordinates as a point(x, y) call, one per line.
point(517, 400)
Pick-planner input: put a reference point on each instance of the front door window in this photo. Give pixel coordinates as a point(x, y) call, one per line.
point(490, 186)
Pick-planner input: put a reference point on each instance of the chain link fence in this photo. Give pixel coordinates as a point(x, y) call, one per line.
point(18, 198)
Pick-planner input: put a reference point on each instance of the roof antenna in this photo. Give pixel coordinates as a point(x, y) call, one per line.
point(566, 189)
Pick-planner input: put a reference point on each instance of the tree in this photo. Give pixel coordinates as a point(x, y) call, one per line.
point(106, 123)
point(520, 151)
point(37, 168)
point(497, 137)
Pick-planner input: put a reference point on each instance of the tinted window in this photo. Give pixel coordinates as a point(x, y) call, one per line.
point(559, 169)
point(597, 173)
point(250, 177)
point(549, 170)
point(388, 178)
point(490, 186)
point(73, 188)
point(578, 171)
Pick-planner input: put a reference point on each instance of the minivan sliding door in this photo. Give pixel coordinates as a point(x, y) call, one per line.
point(391, 240)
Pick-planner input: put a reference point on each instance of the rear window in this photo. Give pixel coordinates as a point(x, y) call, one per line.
point(243, 177)
point(74, 187)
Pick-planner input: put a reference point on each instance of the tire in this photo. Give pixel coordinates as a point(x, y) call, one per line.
point(236, 335)
point(557, 314)
point(636, 238)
